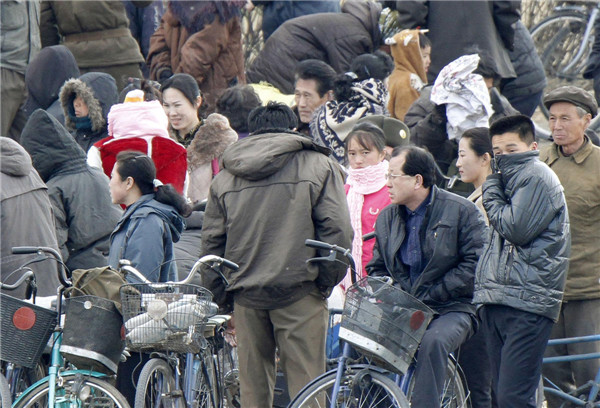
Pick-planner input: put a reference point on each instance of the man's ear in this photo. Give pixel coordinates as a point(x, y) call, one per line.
point(329, 95)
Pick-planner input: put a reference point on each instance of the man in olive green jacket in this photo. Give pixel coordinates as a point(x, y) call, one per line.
point(576, 161)
point(277, 188)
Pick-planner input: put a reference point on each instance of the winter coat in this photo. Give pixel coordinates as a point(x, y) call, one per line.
point(531, 77)
point(84, 213)
point(44, 78)
point(408, 76)
point(335, 38)
point(209, 49)
point(372, 206)
point(456, 27)
point(20, 34)
point(452, 237)
point(525, 264)
point(334, 120)
point(277, 12)
point(141, 126)
point(188, 248)
point(26, 218)
point(428, 128)
point(144, 21)
point(275, 191)
point(204, 153)
point(99, 92)
point(96, 32)
point(145, 236)
point(578, 174)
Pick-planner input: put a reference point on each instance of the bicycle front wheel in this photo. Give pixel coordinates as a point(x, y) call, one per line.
point(156, 385)
point(454, 392)
point(559, 43)
point(359, 388)
point(76, 390)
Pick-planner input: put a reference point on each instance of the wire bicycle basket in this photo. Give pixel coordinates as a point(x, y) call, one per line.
point(165, 316)
point(384, 323)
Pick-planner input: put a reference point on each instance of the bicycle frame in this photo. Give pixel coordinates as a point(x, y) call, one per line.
point(586, 36)
point(554, 389)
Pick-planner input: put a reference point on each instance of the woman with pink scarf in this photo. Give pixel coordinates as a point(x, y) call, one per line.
point(365, 189)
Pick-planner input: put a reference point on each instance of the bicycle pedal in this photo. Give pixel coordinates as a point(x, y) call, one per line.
point(174, 394)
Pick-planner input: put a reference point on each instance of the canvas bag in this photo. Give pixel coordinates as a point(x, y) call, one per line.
point(103, 282)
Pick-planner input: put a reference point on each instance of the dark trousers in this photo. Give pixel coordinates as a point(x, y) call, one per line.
point(516, 341)
point(526, 104)
point(475, 363)
point(444, 335)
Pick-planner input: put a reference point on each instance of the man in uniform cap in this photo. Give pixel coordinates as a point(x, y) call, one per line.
point(576, 162)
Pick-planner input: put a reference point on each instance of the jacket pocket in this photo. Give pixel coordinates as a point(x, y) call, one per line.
point(506, 261)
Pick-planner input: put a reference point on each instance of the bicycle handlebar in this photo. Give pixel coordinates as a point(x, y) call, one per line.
point(332, 250)
point(62, 272)
point(205, 260)
point(28, 274)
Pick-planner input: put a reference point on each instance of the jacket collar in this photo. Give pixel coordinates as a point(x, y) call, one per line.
point(510, 164)
point(579, 156)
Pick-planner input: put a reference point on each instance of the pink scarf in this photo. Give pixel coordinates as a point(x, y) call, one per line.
point(362, 182)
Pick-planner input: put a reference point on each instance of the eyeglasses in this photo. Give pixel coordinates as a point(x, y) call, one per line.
point(393, 176)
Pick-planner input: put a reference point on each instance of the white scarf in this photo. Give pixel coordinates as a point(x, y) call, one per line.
point(362, 182)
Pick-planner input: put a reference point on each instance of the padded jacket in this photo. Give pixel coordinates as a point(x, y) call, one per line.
point(525, 264)
point(276, 190)
point(452, 239)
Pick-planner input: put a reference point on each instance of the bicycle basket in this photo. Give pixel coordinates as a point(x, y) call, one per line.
point(25, 330)
point(165, 316)
point(384, 322)
point(92, 335)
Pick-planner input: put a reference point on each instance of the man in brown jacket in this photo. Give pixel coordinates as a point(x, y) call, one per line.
point(576, 161)
point(277, 188)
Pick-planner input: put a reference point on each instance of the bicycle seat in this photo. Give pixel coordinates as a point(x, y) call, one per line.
point(214, 324)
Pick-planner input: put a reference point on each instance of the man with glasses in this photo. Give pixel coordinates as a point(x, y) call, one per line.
point(429, 240)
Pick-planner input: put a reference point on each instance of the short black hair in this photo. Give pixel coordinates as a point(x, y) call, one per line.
point(274, 116)
point(236, 103)
point(417, 161)
point(519, 124)
point(424, 41)
point(319, 71)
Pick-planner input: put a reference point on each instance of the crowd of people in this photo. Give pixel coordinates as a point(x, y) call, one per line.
point(134, 130)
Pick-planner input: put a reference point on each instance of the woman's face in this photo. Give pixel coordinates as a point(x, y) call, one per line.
point(470, 166)
point(118, 187)
point(360, 156)
point(183, 115)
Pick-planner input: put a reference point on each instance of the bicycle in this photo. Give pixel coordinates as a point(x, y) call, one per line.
point(191, 365)
point(385, 325)
point(564, 42)
point(587, 395)
point(62, 387)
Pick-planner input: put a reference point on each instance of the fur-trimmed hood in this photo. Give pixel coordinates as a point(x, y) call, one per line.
point(99, 92)
point(210, 141)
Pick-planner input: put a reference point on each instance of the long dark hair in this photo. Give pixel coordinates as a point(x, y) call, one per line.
point(141, 169)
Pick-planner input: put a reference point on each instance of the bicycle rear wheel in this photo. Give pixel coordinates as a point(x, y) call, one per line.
point(558, 40)
point(5, 398)
point(76, 390)
point(156, 386)
point(361, 388)
point(454, 391)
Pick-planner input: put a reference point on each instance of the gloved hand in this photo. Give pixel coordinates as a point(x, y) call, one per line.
point(439, 115)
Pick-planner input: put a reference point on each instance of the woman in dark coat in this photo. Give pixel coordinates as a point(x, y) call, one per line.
point(83, 212)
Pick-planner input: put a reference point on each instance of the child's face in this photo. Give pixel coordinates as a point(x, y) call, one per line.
point(81, 108)
point(426, 56)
